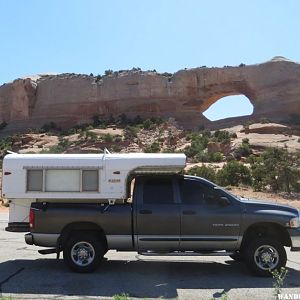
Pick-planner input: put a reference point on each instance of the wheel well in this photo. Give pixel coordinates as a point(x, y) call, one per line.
point(266, 230)
point(80, 227)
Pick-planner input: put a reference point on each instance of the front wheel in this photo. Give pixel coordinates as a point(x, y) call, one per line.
point(83, 252)
point(264, 256)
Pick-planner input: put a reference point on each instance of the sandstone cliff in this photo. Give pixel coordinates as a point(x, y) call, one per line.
point(272, 87)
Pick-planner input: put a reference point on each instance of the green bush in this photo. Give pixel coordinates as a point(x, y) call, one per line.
point(216, 157)
point(149, 125)
point(242, 151)
point(130, 132)
point(108, 138)
point(153, 148)
point(198, 145)
point(202, 156)
point(276, 169)
point(208, 173)
point(222, 136)
point(6, 143)
point(234, 173)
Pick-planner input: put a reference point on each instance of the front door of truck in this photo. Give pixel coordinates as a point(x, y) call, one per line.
point(157, 225)
point(210, 218)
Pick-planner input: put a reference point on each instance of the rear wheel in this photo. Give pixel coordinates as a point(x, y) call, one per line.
point(83, 252)
point(265, 255)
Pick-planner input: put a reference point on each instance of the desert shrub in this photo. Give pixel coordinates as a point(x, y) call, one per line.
point(98, 78)
point(90, 135)
point(108, 138)
point(153, 148)
point(234, 173)
point(221, 136)
point(6, 143)
point(198, 145)
point(276, 169)
point(108, 72)
point(216, 157)
point(149, 124)
point(242, 151)
point(206, 172)
point(233, 135)
point(117, 139)
point(130, 132)
point(202, 156)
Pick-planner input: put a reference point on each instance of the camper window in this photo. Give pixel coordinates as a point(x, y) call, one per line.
point(35, 180)
point(62, 181)
point(90, 180)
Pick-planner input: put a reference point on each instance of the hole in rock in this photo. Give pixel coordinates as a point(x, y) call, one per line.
point(228, 107)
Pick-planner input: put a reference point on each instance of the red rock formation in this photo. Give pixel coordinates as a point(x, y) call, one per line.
point(68, 99)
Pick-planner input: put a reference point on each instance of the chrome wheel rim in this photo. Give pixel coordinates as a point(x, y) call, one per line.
point(266, 257)
point(82, 254)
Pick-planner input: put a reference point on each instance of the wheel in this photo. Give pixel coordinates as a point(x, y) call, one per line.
point(265, 255)
point(237, 256)
point(83, 252)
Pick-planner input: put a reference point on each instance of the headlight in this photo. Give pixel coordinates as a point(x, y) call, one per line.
point(294, 222)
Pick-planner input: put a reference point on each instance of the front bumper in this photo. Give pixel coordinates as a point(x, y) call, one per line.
point(295, 238)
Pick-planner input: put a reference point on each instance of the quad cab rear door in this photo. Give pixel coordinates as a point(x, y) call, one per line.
point(157, 214)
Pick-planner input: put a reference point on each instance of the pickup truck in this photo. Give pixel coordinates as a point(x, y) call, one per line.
point(168, 215)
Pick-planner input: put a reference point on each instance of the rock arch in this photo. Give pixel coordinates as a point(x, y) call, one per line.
point(272, 87)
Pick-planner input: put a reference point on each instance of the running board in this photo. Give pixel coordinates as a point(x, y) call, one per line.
point(47, 251)
point(186, 253)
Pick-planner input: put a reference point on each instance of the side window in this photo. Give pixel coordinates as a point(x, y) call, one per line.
point(191, 191)
point(90, 180)
point(62, 181)
point(212, 198)
point(158, 191)
point(35, 180)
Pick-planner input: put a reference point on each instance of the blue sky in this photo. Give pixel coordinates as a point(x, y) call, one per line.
point(85, 36)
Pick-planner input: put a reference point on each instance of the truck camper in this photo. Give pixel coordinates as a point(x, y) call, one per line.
point(78, 178)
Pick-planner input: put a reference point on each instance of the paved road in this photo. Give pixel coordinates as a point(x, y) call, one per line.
point(26, 274)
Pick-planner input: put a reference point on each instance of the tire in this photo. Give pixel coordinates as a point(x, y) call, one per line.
point(237, 256)
point(264, 255)
point(83, 252)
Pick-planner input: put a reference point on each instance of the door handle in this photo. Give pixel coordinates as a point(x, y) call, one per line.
point(188, 212)
point(145, 212)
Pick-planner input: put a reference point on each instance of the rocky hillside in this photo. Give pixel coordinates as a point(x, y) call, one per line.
point(67, 100)
point(238, 156)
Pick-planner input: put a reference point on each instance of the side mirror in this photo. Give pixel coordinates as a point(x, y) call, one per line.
point(224, 201)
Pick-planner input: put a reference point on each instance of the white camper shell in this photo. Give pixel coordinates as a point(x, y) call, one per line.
point(31, 178)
